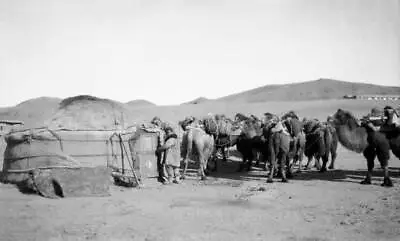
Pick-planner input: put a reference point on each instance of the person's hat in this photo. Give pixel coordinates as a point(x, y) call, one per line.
point(155, 120)
point(168, 129)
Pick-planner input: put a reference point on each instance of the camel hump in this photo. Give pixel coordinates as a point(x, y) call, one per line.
point(279, 127)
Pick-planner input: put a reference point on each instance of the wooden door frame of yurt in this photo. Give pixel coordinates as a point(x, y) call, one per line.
point(131, 162)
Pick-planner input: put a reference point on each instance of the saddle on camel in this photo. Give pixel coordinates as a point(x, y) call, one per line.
point(387, 122)
point(364, 137)
point(279, 140)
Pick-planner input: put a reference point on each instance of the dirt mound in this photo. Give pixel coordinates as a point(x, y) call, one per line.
point(89, 112)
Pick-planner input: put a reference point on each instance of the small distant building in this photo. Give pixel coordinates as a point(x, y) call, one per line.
point(378, 97)
point(349, 97)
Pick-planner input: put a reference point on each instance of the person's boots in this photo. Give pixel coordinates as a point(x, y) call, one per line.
point(162, 179)
point(177, 175)
point(161, 169)
point(161, 175)
point(170, 173)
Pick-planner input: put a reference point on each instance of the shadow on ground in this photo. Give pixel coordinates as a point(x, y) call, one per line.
point(229, 170)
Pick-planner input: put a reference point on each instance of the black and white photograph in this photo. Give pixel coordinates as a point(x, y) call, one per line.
point(200, 120)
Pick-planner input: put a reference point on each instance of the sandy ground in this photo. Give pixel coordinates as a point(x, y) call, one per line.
point(228, 206)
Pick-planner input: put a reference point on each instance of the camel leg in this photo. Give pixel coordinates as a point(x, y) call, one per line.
point(273, 166)
point(387, 182)
point(242, 164)
point(260, 158)
point(267, 161)
point(205, 165)
point(317, 163)
point(307, 167)
point(270, 178)
point(297, 161)
point(383, 154)
point(224, 154)
point(333, 158)
point(257, 155)
point(201, 173)
point(325, 159)
point(265, 167)
point(289, 170)
point(291, 159)
point(300, 154)
point(300, 160)
point(186, 161)
point(370, 164)
point(214, 158)
point(283, 160)
point(249, 163)
point(202, 168)
point(369, 154)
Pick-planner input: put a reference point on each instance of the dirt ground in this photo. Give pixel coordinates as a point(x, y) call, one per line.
point(228, 206)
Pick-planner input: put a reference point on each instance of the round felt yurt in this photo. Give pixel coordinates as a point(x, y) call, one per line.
point(86, 139)
point(50, 161)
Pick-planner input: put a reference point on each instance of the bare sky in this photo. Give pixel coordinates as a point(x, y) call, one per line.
point(172, 51)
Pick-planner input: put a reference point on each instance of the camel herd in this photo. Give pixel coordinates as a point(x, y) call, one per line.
point(283, 141)
point(280, 141)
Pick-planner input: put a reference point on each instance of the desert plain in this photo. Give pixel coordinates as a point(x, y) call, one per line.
point(229, 205)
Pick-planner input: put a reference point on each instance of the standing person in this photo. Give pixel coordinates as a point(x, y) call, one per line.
point(158, 125)
point(156, 121)
point(392, 121)
point(392, 116)
point(171, 155)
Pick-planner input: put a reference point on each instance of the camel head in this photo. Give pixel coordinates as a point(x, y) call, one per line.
point(239, 117)
point(187, 122)
point(310, 124)
point(340, 117)
point(290, 114)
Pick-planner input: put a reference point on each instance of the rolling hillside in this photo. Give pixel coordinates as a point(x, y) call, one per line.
point(32, 112)
point(196, 101)
point(140, 103)
point(310, 90)
point(93, 112)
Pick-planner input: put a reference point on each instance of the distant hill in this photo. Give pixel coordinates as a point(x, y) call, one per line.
point(76, 112)
point(311, 90)
point(140, 103)
point(86, 111)
point(199, 100)
point(40, 101)
point(32, 112)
